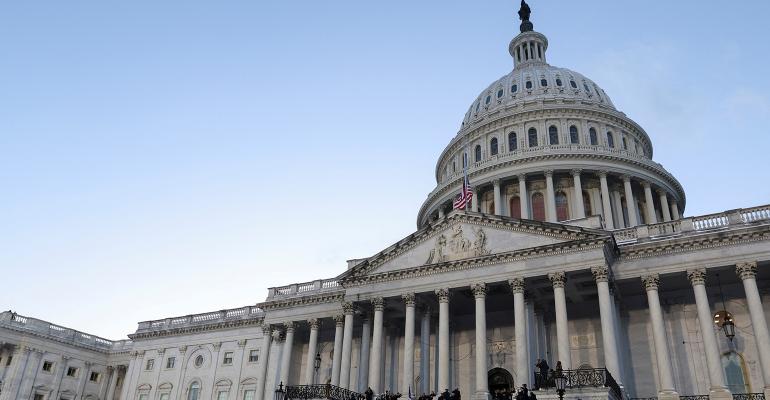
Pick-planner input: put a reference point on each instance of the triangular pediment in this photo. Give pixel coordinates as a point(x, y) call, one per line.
point(466, 235)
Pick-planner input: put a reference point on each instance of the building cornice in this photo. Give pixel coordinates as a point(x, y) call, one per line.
point(185, 330)
point(324, 298)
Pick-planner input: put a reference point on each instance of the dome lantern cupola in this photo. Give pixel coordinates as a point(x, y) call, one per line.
point(529, 46)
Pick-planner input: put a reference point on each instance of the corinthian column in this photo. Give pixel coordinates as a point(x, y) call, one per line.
point(408, 377)
point(648, 202)
point(717, 388)
point(267, 336)
point(523, 196)
point(747, 271)
point(443, 339)
point(630, 202)
point(664, 205)
point(607, 316)
point(498, 198)
point(562, 329)
point(375, 359)
point(366, 344)
point(287, 346)
point(347, 345)
point(339, 321)
point(480, 294)
point(578, 188)
point(665, 376)
point(520, 330)
point(550, 197)
point(312, 348)
point(606, 208)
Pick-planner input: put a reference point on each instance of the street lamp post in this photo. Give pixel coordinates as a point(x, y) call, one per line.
point(561, 385)
point(280, 394)
point(317, 363)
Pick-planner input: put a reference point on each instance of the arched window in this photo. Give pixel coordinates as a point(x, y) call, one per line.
point(553, 135)
point(543, 82)
point(515, 207)
point(488, 99)
point(493, 146)
point(610, 140)
point(585, 86)
point(538, 207)
point(587, 209)
point(454, 166)
point(514, 88)
point(477, 153)
point(593, 137)
point(529, 85)
point(562, 206)
point(625, 143)
point(532, 136)
point(558, 82)
point(573, 84)
point(574, 138)
point(513, 144)
point(500, 93)
point(734, 367)
point(194, 392)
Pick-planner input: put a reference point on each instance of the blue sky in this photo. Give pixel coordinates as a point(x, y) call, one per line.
point(175, 157)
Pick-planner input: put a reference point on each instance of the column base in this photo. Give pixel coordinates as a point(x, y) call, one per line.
point(720, 393)
point(481, 396)
point(766, 391)
point(668, 395)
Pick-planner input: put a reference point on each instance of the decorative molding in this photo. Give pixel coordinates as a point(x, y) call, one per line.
point(347, 307)
point(409, 299)
point(746, 270)
point(681, 244)
point(217, 346)
point(576, 172)
point(458, 246)
point(651, 281)
point(289, 326)
point(324, 298)
point(197, 328)
point(339, 320)
point(242, 343)
point(479, 290)
point(443, 295)
point(558, 279)
point(266, 329)
point(517, 285)
point(314, 323)
point(697, 276)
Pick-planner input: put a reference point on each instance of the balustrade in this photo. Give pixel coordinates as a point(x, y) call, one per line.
point(579, 378)
point(326, 391)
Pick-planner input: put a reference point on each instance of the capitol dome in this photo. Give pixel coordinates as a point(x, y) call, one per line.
point(547, 143)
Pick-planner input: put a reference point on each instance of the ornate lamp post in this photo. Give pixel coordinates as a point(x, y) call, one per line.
point(723, 318)
point(561, 385)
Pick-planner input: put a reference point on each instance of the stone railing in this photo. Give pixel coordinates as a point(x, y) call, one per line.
point(701, 223)
point(34, 326)
point(214, 317)
point(736, 396)
point(301, 289)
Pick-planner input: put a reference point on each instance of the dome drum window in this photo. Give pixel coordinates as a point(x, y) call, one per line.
point(493, 146)
point(512, 143)
point(573, 84)
point(574, 138)
point(544, 82)
point(532, 136)
point(477, 153)
point(558, 82)
point(488, 99)
point(593, 137)
point(553, 135)
point(514, 88)
point(610, 140)
point(500, 93)
point(529, 85)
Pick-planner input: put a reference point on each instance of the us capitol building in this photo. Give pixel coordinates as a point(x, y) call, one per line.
point(575, 249)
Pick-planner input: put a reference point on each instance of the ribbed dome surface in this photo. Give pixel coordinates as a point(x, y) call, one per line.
point(537, 81)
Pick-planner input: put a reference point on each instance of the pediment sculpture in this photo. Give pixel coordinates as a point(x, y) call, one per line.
point(456, 246)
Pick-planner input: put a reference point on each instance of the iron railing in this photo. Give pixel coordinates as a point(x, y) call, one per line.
point(736, 396)
point(580, 378)
point(324, 391)
point(695, 397)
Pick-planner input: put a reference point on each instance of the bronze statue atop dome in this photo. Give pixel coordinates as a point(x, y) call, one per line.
point(524, 13)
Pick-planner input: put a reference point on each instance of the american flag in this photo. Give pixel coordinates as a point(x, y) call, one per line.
point(466, 194)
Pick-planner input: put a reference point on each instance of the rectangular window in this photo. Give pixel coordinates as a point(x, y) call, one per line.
point(150, 364)
point(142, 397)
point(94, 377)
point(222, 396)
point(249, 395)
point(47, 366)
point(164, 396)
point(39, 397)
point(253, 355)
point(170, 362)
point(72, 372)
point(228, 360)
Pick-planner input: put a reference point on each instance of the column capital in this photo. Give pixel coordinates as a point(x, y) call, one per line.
point(626, 178)
point(746, 270)
point(479, 290)
point(496, 182)
point(517, 285)
point(697, 276)
point(601, 273)
point(265, 331)
point(557, 279)
point(313, 323)
point(409, 300)
point(661, 192)
point(378, 303)
point(339, 320)
point(603, 173)
point(645, 184)
point(443, 295)
point(650, 281)
point(242, 343)
point(161, 351)
point(289, 326)
point(522, 177)
point(576, 172)
point(347, 307)
point(548, 173)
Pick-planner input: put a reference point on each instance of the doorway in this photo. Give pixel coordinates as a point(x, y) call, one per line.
point(499, 380)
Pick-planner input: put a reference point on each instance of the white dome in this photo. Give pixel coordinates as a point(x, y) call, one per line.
point(536, 82)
